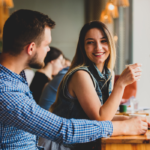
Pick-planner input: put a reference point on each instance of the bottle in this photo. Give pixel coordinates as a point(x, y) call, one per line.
point(133, 104)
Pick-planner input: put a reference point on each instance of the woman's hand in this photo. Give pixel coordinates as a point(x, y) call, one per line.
point(131, 74)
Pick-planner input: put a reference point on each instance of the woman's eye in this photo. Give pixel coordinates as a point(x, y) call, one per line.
point(103, 41)
point(90, 42)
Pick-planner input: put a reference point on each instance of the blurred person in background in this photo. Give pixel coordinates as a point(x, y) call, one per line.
point(29, 75)
point(53, 64)
point(49, 92)
point(67, 62)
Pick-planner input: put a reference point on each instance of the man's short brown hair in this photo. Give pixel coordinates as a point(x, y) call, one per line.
point(22, 28)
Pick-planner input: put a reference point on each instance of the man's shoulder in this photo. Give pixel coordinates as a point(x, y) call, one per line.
point(3, 80)
point(5, 85)
point(8, 83)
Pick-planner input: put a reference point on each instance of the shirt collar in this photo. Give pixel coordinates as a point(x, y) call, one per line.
point(106, 72)
point(20, 76)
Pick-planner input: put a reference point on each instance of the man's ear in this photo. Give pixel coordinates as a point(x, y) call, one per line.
point(31, 48)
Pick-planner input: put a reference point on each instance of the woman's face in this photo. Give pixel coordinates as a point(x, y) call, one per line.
point(57, 65)
point(96, 46)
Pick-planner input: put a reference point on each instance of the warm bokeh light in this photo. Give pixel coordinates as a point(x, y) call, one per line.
point(115, 38)
point(110, 6)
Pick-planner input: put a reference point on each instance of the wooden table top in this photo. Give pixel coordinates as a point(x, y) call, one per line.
point(129, 112)
point(128, 139)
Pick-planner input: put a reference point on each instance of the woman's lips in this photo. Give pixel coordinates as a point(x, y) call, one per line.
point(98, 54)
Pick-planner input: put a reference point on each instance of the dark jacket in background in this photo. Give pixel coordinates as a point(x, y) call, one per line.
point(37, 85)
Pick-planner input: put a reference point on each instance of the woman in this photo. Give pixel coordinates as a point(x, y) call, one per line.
point(53, 64)
point(86, 90)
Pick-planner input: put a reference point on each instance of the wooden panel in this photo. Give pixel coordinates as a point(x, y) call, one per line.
point(128, 139)
point(125, 147)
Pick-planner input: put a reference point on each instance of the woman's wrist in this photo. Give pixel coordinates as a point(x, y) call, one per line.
point(120, 84)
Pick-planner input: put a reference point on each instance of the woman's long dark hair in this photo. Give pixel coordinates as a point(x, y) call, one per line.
point(80, 58)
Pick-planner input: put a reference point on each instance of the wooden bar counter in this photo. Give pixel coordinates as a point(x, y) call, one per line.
point(141, 142)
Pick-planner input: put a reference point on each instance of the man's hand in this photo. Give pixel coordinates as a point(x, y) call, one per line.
point(132, 126)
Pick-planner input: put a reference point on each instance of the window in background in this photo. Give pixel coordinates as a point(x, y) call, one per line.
point(123, 38)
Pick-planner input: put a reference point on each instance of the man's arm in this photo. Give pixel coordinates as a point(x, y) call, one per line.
point(20, 111)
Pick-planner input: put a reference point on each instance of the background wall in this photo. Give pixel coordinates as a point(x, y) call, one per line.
point(69, 18)
point(141, 47)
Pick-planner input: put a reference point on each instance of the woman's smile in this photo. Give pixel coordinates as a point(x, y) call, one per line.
point(99, 54)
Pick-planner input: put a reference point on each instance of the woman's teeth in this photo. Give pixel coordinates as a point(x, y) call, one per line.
point(99, 54)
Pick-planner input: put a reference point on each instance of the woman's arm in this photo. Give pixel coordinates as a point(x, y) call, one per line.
point(81, 86)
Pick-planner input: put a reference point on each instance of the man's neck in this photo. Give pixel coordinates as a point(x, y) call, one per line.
point(14, 63)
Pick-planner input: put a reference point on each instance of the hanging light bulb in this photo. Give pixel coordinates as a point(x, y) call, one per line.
point(9, 3)
point(112, 9)
point(121, 3)
point(115, 12)
point(105, 17)
point(110, 6)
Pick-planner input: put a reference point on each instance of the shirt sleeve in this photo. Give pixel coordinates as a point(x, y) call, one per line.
point(20, 111)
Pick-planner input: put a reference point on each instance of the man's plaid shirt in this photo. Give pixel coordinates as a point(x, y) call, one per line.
point(21, 119)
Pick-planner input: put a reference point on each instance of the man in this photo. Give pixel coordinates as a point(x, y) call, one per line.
point(26, 39)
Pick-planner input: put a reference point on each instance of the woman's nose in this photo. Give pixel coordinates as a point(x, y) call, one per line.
point(99, 46)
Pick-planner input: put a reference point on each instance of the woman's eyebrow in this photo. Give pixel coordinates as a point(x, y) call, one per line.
point(89, 39)
point(103, 37)
point(93, 39)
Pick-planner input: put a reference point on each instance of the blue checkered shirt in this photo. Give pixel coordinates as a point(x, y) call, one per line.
point(21, 119)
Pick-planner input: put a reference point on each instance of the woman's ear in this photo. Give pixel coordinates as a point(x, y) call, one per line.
point(30, 48)
point(51, 61)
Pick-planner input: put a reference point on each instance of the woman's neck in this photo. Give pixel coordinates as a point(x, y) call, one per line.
point(47, 70)
point(100, 67)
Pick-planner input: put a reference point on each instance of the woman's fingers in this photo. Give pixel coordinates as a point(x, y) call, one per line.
point(138, 69)
point(131, 74)
point(137, 74)
point(133, 66)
